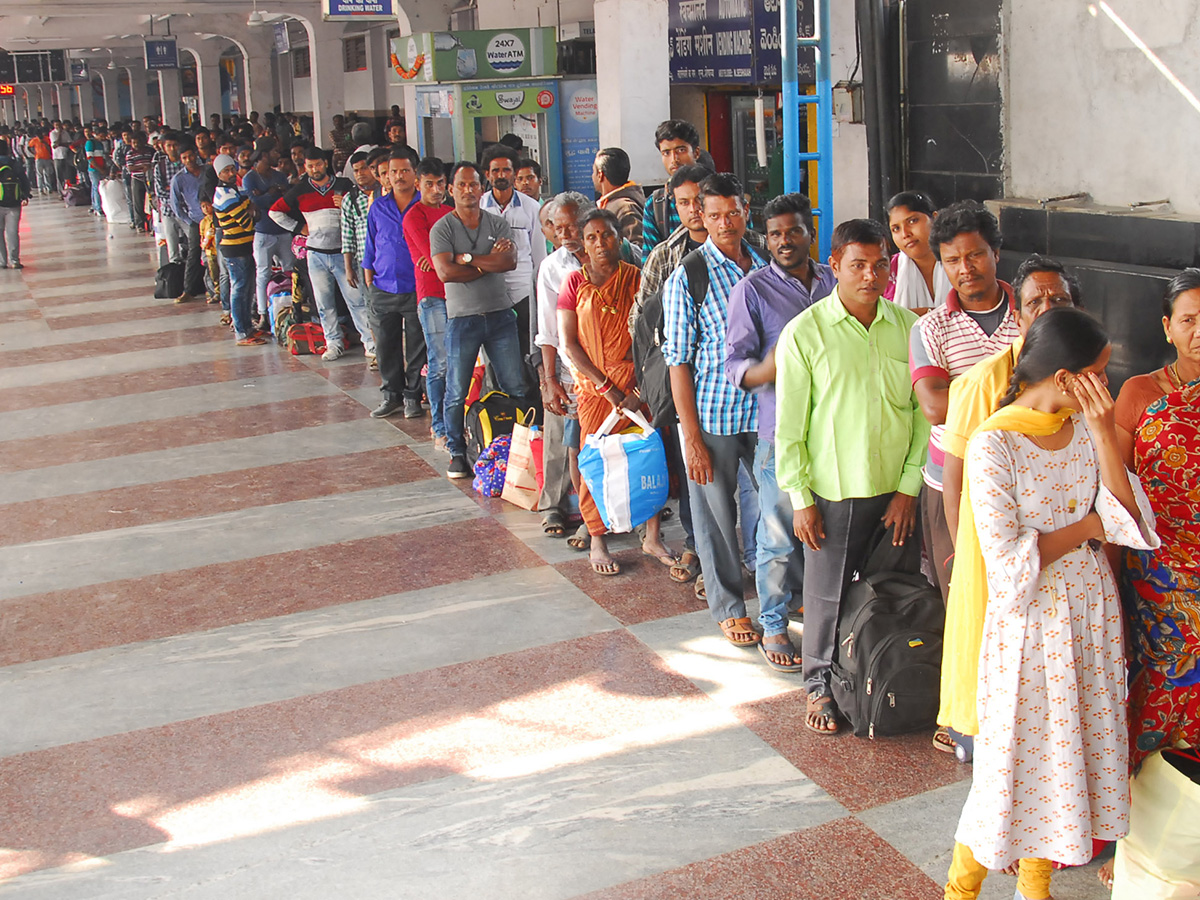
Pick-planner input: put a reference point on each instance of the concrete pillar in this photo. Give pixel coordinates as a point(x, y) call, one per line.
point(259, 94)
point(328, 88)
point(65, 97)
point(111, 110)
point(208, 75)
point(139, 100)
point(170, 96)
point(634, 94)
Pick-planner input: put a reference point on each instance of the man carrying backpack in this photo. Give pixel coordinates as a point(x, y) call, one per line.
point(14, 193)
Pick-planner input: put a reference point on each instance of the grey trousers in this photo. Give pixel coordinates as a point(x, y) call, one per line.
point(714, 522)
point(556, 467)
point(849, 526)
point(10, 235)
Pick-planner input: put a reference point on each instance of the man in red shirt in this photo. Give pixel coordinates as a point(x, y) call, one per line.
point(431, 293)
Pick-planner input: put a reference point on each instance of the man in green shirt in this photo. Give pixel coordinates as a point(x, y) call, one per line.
point(849, 440)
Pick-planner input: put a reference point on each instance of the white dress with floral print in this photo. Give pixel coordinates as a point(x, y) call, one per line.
point(1050, 769)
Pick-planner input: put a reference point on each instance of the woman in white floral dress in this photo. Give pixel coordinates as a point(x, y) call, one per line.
point(1046, 485)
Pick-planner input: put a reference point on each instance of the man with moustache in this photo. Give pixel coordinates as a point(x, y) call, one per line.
point(759, 307)
point(717, 421)
point(849, 439)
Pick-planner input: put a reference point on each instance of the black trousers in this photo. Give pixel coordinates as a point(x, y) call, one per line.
point(193, 267)
point(849, 526)
point(399, 342)
point(137, 203)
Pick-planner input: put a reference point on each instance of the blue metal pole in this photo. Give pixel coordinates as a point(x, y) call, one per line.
point(790, 62)
point(824, 131)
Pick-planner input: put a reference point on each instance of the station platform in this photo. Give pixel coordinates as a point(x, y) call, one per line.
point(256, 645)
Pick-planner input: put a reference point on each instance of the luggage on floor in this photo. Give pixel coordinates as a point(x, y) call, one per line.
point(114, 202)
point(886, 672)
point(491, 415)
point(626, 473)
point(168, 282)
point(492, 467)
point(78, 194)
point(305, 338)
point(523, 482)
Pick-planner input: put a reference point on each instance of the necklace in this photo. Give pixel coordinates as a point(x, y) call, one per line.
point(1173, 375)
point(610, 306)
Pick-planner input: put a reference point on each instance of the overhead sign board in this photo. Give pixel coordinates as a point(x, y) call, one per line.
point(444, 56)
point(341, 10)
point(733, 41)
point(283, 40)
point(162, 53)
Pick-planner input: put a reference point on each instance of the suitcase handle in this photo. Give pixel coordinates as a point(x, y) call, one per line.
point(617, 415)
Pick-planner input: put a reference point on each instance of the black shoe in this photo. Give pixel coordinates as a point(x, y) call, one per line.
point(412, 408)
point(15, 266)
point(458, 468)
point(387, 408)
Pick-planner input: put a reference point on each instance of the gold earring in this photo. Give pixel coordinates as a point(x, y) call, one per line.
point(1170, 340)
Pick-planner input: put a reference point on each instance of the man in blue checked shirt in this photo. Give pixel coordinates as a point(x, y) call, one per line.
point(717, 421)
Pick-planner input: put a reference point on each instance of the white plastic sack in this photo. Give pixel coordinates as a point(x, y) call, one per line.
point(112, 199)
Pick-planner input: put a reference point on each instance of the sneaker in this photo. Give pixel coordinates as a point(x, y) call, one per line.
point(412, 408)
point(458, 468)
point(388, 407)
point(332, 352)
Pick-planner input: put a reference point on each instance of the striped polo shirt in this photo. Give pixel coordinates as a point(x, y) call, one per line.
point(235, 221)
point(945, 343)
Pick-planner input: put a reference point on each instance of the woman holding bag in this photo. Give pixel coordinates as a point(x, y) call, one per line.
point(593, 317)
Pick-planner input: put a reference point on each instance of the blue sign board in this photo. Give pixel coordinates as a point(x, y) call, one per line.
point(732, 41)
point(580, 133)
point(161, 53)
point(283, 41)
point(340, 10)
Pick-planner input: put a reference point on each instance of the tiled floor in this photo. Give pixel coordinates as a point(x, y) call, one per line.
point(255, 645)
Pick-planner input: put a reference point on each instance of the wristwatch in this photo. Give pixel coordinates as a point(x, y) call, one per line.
point(468, 259)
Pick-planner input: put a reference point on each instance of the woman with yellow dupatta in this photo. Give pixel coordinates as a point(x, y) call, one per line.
point(1045, 485)
point(593, 324)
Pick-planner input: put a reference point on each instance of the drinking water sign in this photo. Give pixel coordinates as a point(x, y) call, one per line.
point(341, 10)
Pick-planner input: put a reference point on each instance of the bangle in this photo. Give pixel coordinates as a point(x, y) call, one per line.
point(604, 388)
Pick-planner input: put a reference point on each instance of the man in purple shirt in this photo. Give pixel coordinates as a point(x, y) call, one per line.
point(759, 307)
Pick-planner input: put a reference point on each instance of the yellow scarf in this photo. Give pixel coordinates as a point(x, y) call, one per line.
point(967, 604)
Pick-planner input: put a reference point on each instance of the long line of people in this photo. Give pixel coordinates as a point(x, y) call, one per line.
point(811, 406)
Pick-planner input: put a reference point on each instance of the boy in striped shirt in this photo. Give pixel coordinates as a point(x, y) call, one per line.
point(234, 215)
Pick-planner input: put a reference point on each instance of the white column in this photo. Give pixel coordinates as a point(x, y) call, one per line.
point(138, 98)
point(65, 96)
point(170, 96)
point(112, 102)
point(634, 93)
point(328, 89)
point(207, 55)
point(259, 93)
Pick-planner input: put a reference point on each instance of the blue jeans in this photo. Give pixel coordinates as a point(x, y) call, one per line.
point(266, 248)
point(748, 512)
point(223, 281)
point(432, 313)
point(779, 573)
point(495, 332)
point(241, 292)
point(96, 178)
point(327, 272)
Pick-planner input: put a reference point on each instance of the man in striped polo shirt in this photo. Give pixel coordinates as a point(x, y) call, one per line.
point(978, 319)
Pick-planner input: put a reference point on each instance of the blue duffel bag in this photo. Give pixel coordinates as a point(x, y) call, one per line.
point(626, 473)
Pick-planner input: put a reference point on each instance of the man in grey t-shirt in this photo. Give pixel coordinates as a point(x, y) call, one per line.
point(471, 251)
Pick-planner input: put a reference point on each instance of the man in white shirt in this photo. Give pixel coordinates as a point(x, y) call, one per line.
point(60, 150)
point(521, 213)
point(560, 431)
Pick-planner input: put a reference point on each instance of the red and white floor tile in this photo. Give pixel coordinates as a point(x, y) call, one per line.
point(255, 645)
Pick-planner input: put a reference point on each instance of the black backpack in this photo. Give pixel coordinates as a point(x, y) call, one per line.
point(886, 674)
point(491, 415)
point(653, 374)
point(168, 281)
point(10, 186)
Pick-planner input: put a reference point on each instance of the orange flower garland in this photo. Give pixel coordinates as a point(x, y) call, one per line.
point(409, 73)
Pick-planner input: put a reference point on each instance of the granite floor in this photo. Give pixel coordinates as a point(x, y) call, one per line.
point(256, 645)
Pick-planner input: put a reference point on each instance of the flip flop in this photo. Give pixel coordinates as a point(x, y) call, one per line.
point(666, 559)
point(730, 627)
point(596, 564)
point(580, 540)
point(824, 712)
point(942, 741)
point(686, 567)
point(789, 648)
point(698, 589)
point(553, 524)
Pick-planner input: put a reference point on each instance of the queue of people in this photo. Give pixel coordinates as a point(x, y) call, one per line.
point(899, 387)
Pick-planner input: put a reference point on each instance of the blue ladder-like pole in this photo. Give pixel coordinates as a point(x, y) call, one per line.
point(790, 62)
point(824, 130)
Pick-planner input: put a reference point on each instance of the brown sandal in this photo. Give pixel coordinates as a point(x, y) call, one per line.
point(730, 627)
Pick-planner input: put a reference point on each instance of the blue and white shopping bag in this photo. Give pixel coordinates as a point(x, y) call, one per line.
point(625, 473)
